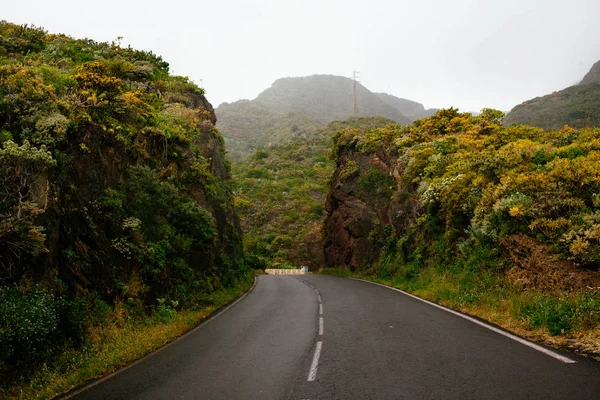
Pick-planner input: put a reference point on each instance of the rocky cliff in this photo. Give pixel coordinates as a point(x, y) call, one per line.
point(135, 175)
point(359, 202)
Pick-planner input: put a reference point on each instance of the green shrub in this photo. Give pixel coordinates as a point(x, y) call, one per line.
point(375, 185)
point(255, 261)
point(257, 173)
point(561, 315)
point(28, 324)
point(165, 311)
point(78, 314)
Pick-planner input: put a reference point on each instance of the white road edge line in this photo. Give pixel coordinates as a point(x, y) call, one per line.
point(312, 374)
point(319, 297)
point(534, 346)
point(320, 309)
point(75, 391)
point(316, 290)
point(320, 326)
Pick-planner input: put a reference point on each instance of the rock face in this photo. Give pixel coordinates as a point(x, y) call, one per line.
point(407, 198)
point(356, 208)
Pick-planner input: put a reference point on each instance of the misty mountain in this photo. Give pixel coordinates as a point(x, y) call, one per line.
point(326, 97)
point(294, 107)
point(577, 106)
point(411, 109)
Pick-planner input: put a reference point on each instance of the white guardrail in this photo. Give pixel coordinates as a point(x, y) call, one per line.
point(299, 271)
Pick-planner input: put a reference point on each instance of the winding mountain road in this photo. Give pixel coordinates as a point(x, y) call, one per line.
point(322, 337)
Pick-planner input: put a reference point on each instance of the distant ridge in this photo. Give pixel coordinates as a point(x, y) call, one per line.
point(411, 109)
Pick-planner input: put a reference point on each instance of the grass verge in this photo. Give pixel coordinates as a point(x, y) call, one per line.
point(567, 320)
point(116, 344)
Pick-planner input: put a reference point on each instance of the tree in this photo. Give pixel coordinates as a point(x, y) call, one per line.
point(23, 187)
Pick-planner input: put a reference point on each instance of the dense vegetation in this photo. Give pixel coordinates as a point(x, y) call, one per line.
point(578, 106)
point(465, 209)
point(297, 107)
point(280, 197)
point(479, 182)
point(115, 198)
point(280, 192)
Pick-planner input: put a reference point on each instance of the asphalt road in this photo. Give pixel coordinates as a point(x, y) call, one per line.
point(320, 337)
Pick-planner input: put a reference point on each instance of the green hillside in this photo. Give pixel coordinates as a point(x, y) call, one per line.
point(577, 106)
point(248, 126)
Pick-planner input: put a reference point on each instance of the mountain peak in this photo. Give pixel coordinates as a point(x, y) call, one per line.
point(593, 76)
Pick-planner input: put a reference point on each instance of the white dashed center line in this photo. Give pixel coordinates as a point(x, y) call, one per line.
point(312, 374)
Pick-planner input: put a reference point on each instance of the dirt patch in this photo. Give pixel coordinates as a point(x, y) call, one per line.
point(537, 267)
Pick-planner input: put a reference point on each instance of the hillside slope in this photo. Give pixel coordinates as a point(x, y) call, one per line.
point(577, 106)
point(248, 126)
point(411, 109)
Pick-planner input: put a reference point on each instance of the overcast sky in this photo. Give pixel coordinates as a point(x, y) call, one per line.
point(464, 53)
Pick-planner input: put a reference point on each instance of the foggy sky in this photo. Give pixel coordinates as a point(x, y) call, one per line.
point(463, 53)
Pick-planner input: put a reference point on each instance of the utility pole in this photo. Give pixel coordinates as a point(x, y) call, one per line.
point(354, 76)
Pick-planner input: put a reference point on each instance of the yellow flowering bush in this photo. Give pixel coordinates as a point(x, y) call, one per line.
point(477, 177)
